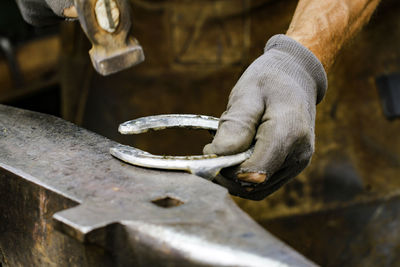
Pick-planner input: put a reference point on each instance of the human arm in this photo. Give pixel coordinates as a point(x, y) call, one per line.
point(325, 26)
point(273, 103)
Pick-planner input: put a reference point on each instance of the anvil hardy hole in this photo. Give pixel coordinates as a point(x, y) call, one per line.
point(167, 202)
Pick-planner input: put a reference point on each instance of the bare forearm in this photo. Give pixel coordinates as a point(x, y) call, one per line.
point(325, 26)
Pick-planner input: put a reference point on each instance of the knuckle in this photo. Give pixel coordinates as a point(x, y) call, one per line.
point(227, 146)
point(300, 137)
point(298, 126)
point(304, 132)
point(225, 115)
point(305, 158)
point(305, 161)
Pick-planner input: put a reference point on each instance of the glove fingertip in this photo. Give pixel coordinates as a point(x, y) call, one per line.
point(208, 149)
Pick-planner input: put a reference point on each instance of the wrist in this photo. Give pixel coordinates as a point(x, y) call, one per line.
point(315, 46)
point(299, 62)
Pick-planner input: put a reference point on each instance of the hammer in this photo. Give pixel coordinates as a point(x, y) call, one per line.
point(108, 26)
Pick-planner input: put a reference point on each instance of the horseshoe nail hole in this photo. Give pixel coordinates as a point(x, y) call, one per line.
point(167, 202)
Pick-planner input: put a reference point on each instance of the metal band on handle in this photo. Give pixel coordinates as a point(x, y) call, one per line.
point(206, 166)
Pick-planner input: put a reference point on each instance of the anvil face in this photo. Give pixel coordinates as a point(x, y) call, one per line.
point(68, 202)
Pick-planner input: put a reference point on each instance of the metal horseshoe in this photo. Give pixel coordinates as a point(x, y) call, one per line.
point(205, 166)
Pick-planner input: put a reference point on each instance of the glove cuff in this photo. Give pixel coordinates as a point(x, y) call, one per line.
point(303, 57)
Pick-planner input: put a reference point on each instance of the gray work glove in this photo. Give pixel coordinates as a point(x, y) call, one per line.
point(43, 12)
point(272, 105)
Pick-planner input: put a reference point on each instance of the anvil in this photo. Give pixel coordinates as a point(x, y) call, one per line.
point(65, 201)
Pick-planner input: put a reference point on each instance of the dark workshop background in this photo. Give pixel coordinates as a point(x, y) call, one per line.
point(343, 210)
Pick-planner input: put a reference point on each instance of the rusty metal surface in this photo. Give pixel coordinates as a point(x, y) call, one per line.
point(55, 174)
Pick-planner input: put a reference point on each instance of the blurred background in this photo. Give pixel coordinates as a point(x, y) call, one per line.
point(28, 62)
point(343, 210)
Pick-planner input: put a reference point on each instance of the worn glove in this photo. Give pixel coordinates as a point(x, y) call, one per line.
point(272, 105)
point(43, 12)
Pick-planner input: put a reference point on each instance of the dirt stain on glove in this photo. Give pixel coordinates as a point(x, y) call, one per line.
point(252, 177)
point(70, 12)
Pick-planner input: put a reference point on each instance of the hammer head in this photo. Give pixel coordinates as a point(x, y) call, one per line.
point(108, 26)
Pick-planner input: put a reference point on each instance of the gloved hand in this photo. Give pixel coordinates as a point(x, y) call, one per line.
point(273, 104)
point(44, 12)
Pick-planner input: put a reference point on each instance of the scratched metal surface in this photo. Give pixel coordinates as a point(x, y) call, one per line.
point(194, 61)
point(55, 175)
